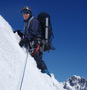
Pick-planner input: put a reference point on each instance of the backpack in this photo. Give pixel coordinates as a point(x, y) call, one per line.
point(46, 30)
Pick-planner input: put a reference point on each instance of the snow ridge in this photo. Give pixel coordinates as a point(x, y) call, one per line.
point(12, 61)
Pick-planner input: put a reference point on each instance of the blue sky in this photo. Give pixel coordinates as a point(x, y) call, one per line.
point(69, 22)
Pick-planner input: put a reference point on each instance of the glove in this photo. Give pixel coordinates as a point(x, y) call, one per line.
point(22, 42)
point(19, 33)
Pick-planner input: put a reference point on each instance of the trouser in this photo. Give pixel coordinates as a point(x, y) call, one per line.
point(38, 57)
point(40, 63)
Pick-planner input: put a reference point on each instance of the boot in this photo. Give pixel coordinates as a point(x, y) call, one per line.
point(46, 71)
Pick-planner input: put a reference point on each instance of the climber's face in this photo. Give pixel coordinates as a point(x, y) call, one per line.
point(26, 16)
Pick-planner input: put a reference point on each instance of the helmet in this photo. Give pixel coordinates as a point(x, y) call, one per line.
point(26, 9)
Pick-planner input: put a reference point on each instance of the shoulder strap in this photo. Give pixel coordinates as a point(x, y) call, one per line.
point(28, 25)
point(30, 21)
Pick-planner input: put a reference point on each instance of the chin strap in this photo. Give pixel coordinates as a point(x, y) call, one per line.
point(36, 50)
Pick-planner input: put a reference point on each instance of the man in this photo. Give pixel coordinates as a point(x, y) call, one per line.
point(32, 38)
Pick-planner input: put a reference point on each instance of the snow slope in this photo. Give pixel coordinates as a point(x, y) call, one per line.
point(12, 61)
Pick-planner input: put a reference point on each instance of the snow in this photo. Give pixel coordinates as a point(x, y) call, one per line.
point(75, 83)
point(12, 62)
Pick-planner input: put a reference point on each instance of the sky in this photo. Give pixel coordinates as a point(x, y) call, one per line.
point(69, 23)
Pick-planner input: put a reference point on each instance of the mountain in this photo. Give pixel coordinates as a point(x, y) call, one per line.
point(12, 63)
point(75, 83)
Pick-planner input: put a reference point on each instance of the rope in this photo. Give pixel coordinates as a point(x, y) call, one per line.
point(24, 69)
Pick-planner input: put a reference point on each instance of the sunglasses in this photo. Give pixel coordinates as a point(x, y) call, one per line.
point(25, 13)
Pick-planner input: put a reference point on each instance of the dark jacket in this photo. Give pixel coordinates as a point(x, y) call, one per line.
point(31, 31)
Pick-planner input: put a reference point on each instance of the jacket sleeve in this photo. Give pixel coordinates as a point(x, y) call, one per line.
point(33, 30)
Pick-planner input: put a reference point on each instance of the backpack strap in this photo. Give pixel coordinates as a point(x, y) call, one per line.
point(28, 25)
point(30, 21)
